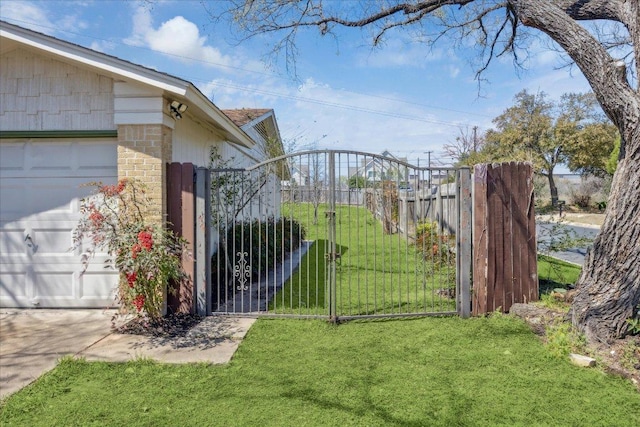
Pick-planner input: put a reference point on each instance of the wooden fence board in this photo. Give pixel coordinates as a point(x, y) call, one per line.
point(509, 213)
point(480, 238)
point(531, 284)
point(519, 226)
point(187, 297)
point(180, 219)
point(505, 267)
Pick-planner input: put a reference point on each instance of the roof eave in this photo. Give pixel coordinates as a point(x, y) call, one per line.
point(234, 133)
point(113, 66)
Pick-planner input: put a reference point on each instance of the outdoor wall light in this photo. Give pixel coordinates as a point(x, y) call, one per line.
point(177, 109)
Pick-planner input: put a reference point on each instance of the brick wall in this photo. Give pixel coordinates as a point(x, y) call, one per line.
point(143, 151)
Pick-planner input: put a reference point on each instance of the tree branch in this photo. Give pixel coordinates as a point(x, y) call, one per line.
point(605, 74)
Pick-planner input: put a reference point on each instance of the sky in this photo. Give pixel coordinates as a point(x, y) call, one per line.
point(402, 97)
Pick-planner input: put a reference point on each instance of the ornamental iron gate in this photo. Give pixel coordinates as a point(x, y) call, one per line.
point(334, 234)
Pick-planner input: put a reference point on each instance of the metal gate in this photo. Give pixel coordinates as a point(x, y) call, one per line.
point(334, 234)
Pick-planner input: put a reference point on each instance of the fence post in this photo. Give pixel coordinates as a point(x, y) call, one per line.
point(463, 242)
point(202, 239)
point(331, 228)
point(180, 219)
point(187, 296)
point(504, 249)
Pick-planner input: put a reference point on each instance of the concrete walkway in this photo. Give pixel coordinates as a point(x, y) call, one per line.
point(32, 342)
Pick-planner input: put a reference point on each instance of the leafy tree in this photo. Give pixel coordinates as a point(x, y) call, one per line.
point(612, 161)
point(357, 181)
point(607, 53)
point(590, 149)
point(548, 133)
point(528, 131)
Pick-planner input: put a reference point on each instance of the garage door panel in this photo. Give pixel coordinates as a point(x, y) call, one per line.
point(48, 199)
point(41, 185)
point(53, 242)
point(14, 282)
point(57, 285)
point(92, 160)
point(12, 242)
point(13, 203)
point(12, 157)
point(54, 197)
point(52, 157)
point(95, 285)
point(96, 160)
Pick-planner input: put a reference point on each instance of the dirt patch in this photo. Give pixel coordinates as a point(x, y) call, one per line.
point(620, 357)
point(585, 218)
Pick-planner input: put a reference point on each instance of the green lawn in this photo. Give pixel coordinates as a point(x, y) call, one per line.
point(375, 274)
point(287, 372)
point(555, 273)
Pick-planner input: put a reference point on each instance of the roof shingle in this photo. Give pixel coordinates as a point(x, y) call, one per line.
point(244, 115)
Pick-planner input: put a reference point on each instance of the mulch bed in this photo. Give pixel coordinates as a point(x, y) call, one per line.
point(173, 325)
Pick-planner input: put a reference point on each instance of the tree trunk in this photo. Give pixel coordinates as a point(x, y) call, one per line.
point(608, 290)
point(553, 189)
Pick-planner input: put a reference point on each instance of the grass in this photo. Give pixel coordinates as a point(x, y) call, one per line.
point(419, 372)
point(555, 273)
point(375, 274)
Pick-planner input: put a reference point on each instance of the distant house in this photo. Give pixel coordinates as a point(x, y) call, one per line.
point(70, 115)
point(376, 169)
point(299, 175)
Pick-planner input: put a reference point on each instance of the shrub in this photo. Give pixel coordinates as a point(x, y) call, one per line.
point(262, 245)
point(148, 256)
point(581, 194)
point(434, 246)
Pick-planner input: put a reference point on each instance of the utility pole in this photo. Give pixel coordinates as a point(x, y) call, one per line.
point(475, 139)
point(428, 153)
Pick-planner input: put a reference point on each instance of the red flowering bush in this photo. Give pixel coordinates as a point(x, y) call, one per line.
point(149, 257)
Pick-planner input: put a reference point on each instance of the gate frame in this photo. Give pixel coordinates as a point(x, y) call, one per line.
point(203, 273)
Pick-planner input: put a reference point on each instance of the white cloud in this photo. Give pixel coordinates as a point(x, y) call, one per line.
point(177, 37)
point(27, 14)
point(399, 52)
point(316, 115)
point(102, 46)
point(38, 17)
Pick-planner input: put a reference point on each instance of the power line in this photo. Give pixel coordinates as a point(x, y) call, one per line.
point(278, 94)
point(332, 104)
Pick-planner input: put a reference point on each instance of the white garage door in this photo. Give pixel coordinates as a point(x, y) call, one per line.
point(41, 184)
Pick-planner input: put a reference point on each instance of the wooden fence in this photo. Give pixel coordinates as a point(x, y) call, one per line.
point(504, 237)
point(181, 220)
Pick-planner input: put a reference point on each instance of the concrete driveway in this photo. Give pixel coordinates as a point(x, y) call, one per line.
point(32, 341)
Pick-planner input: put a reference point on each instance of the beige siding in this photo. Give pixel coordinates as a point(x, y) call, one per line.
point(39, 93)
point(192, 142)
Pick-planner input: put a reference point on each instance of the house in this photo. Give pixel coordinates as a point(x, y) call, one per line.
point(299, 175)
point(70, 115)
point(262, 127)
point(376, 169)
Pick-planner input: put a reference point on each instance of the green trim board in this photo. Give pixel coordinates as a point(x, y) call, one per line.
point(33, 134)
